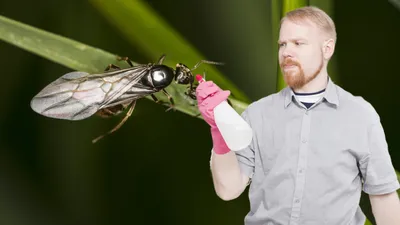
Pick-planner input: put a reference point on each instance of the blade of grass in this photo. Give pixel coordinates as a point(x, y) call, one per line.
point(53, 47)
point(79, 56)
point(145, 29)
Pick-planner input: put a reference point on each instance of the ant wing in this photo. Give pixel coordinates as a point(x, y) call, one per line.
point(78, 95)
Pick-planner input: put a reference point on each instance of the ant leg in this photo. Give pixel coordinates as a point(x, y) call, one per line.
point(161, 59)
point(172, 105)
point(111, 66)
point(191, 93)
point(155, 98)
point(126, 59)
point(158, 101)
point(128, 114)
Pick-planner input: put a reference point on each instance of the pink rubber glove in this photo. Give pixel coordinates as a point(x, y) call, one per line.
point(209, 95)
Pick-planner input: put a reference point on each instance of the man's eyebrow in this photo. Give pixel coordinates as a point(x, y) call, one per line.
point(292, 40)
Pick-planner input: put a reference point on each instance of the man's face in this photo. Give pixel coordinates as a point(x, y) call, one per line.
point(300, 52)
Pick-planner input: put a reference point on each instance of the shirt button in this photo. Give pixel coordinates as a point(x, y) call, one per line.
point(297, 201)
point(304, 140)
point(301, 171)
point(306, 112)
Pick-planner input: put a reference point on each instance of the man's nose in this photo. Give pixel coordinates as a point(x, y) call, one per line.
point(287, 52)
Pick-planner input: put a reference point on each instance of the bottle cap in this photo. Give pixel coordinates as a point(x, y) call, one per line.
point(199, 78)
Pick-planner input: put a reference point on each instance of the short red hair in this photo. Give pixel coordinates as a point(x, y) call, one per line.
point(315, 15)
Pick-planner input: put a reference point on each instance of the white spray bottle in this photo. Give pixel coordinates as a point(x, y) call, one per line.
point(234, 129)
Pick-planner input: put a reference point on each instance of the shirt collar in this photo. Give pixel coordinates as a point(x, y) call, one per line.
point(330, 94)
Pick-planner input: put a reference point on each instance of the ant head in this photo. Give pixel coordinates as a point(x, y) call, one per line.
point(183, 75)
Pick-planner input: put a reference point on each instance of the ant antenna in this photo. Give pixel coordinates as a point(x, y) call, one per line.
point(208, 62)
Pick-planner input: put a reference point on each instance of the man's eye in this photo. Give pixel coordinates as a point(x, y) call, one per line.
point(299, 43)
point(282, 44)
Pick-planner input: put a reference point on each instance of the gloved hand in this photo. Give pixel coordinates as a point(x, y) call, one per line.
point(209, 95)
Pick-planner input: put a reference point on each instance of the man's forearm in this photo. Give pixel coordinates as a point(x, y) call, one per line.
point(386, 209)
point(229, 183)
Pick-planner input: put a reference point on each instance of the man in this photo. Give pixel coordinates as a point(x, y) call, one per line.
point(315, 146)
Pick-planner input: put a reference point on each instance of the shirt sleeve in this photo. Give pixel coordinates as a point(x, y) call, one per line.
point(378, 173)
point(245, 156)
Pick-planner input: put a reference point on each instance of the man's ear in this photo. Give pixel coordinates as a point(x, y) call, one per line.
point(328, 48)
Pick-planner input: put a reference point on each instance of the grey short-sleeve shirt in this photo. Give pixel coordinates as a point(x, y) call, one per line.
point(309, 166)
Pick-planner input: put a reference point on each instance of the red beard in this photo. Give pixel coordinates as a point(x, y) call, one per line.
point(295, 78)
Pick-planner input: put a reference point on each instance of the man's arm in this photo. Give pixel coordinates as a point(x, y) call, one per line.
point(379, 176)
point(228, 177)
point(386, 208)
point(228, 180)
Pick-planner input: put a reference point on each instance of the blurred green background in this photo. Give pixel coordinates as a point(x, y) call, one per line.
point(155, 169)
